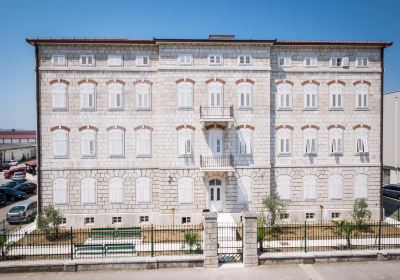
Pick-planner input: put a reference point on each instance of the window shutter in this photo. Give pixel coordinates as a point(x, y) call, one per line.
point(60, 191)
point(361, 186)
point(181, 142)
point(185, 190)
point(116, 191)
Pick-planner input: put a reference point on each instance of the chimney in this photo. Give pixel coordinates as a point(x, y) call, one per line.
point(228, 37)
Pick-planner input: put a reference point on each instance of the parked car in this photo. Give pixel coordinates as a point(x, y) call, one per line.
point(9, 173)
point(26, 187)
point(392, 191)
point(12, 184)
point(12, 195)
point(12, 162)
point(3, 199)
point(24, 211)
point(18, 176)
point(4, 166)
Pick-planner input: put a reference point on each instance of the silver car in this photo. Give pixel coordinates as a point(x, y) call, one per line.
point(18, 176)
point(24, 211)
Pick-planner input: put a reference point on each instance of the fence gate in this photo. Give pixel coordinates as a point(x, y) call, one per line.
point(230, 242)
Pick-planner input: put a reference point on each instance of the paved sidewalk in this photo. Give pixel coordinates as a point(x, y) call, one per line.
point(332, 271)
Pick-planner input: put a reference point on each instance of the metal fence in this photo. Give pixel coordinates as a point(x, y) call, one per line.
point(6, 227)
point(230, 242)
point(71, 243)
point(317, 237)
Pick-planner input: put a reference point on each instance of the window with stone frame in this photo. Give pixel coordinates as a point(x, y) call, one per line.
point(143, 96)
point(143, 142)
point(185, 59)
point(284, 141)
point(284, 61)
point(310, 96)
point(116, 141)
point(284, 187)
point(115, 60)
point(88, 143)
point(88, 96)
point(185, 95)
point(115, 96)
point(60, 191)
point(361, 186)
point(143, 190)
point(310, 187)
point(116, 190)
point(59, 96)
point(361, 137)
point(244, 189)
point(185, 190)
point(244, 59)
point(185, 142)
point(245, 139)
point(88, 191)
point(87, 60)
point(336, 141)
point(335, 183)
point(362, 91)
point(245, 95)
point(284, 96)
point(215, 59)
point(336, 96)
point(60, 143)
point(310, 141)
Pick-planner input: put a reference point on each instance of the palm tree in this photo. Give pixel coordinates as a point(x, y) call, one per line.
point(345, 229)
point(191, 240)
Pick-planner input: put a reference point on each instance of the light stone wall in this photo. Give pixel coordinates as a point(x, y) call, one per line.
point(165, 167)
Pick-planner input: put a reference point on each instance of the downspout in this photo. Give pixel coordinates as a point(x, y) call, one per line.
point(381, 135)
point(38, 131)
point(396, 101)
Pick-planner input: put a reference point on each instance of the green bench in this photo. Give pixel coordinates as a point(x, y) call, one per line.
point(115, 232)
point(101, 232)
point(89, 249)
point(126, 248)
point(128, 232)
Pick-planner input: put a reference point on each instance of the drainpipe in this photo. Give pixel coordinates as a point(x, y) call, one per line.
point(381, 135)
point(38, 129)
point(396, 99)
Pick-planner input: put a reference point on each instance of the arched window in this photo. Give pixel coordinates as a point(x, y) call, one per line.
point(116, 190)
point(284, 96)
point(244, 189)
point(335, 187)
point(285, 141)
point(336, 96)
point(361, 135)
point(185, 142)
point(60, 143)
point(143, 142)
point(245, 136)
point(89, 191)
point(143, 190)
point(60, 191)
point(88, 96)
point(336, 141)
point(310, 187)
point(310, 96)
point(284, 187)
point(116, 142)
point(88, 143)
point(115, 96)
point(215, 93)
point(59, 96)
point(310, 141)
point(185, 190)
point(362, 96)
point(245, 93)
point(361, 186)
point(143, 96)
point(185, 95)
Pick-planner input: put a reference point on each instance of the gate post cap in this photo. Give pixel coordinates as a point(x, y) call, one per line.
point(249, 215)
point(210, 215)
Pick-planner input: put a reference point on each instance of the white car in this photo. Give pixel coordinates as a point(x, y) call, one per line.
point(18, 176)
point(12, 162)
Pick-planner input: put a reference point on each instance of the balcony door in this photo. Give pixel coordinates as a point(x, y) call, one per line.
point(215, 192)
point(215, 99)
point(215, 137)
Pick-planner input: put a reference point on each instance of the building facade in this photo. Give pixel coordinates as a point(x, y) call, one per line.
point(391, 134)
point(156, 131)
point(17, 136)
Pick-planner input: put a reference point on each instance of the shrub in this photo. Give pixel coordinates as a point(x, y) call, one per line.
point(275, 207)
point(361, 213)
point(49, 222)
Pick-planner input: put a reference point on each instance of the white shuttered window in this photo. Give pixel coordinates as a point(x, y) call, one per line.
point(185, 142)
point(336, 96)
point(361, 140)
point(143, 96)
point(116, 142)
point(59, 96)
point(60, 191)
point(88, 191)
point(336, 141)
point(310, 187)
point(310, 141)
point(115, 96)
point(143, 142)
point(310, 96)
point(244, 189)
point(362, 96)
point(87, 96)
point(284, 95)
point(116, 190)
point(335, 187)
point(88, 143)
point(361, 186)
point(60, 143)
point(185, 95)
point(185, 190)
point(284, 187)
point(143, 190)
point(285, 141)
point(244, 141)
point(245, 90)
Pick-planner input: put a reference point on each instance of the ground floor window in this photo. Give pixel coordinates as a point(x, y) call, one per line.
point(186, 220)
point(89, 220)
point(335, 215)
point(143, 219)
point(310, 216)
point(284, 216)
point(116, 220)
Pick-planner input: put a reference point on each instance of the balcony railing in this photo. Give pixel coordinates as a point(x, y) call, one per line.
point(216, 162)
point(216, 112)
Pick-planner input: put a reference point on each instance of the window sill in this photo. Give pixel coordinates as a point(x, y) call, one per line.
point(88, 157)
point(284, 155)
point(143, 202)
point(337, 154)
point(245, 109)
point(311, 154)
point(361, 109)
point(144, 156)
point(185, 109)
point(362, 154)
point(243, 64)
point(61, 157)
point(244, 155)
point(337, 199)
point(60, 110)
point(116, 157)
point(88, 110)
point(185, 156)
point(143, 109)
point(336, 109)
point(116, 109)
point(284, 109)
point(310, 109)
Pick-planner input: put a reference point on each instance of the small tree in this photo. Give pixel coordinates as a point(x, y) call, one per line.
point(275, 207)
point(261, 229)
point(345, 229)
point(49, 221)
point(191, 240)
point(361, 213)
point(3, 240)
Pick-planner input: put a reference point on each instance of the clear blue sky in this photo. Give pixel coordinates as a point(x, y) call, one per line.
point(251, 19)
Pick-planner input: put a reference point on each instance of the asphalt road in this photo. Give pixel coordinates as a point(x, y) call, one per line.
point(329, 271)
point(4, 209)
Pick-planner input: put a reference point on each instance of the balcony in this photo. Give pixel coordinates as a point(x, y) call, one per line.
point(217, 163)
point(216, 114)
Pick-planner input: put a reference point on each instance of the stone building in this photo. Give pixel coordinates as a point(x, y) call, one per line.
point(155, 131)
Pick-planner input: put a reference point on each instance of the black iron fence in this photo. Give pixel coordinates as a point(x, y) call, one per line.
point(71, 243)
point(230, 242)
point(332, 236)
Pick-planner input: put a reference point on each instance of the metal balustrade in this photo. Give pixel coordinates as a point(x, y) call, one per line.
point(216, 112)
point(215, 162)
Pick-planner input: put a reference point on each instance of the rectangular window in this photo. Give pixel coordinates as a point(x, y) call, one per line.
point(284, 216)
point(284, 61)
point(310, 216)
point(339, 62)
point(335, 215)
point(186, 220)
point(142, 60)
point(64, 221)
point(310, 62)
point(87, 60)
point(362, 62)
point(244, 60)
point(185, 59)
point(116, 220)
point(58, 60)
point(143, 219)
point(89, 220)
point(215, 60)
point(114, 60)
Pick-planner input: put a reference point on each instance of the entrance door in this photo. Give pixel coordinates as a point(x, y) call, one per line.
point(215, 142)
point(215, 191)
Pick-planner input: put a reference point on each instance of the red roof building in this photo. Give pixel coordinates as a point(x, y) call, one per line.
point(17, 136)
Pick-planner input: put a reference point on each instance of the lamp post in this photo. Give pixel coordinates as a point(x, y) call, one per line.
point(321, 207)
point(173, 216)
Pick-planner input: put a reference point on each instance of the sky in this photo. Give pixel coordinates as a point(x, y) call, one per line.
point(371, 20)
